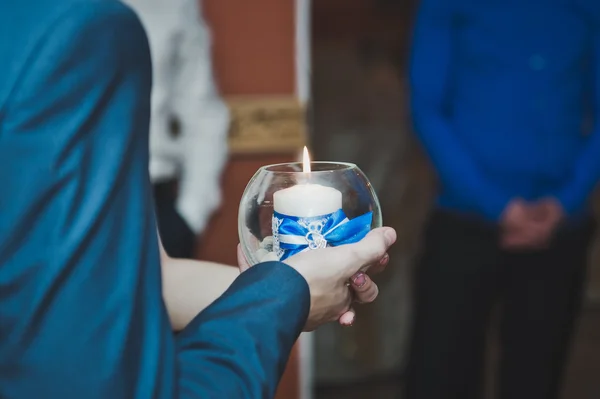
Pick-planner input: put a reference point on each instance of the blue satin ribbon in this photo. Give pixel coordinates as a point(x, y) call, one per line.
point(292, 235)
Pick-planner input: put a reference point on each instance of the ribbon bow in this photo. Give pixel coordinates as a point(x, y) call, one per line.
point(292, 235)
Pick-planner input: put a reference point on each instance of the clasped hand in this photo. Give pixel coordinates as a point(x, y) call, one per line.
point(530, 225)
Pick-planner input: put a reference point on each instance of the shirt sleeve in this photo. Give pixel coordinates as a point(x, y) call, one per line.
point(204, 119)
point(586, 171)
point(239, 346)
point(430, 66)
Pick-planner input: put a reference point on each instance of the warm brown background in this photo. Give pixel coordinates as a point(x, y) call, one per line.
point(254, 55)
point(254, 42)
point(360, 115)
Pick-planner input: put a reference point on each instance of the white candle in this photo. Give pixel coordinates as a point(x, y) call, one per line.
point(307, 200)
point(304, 200)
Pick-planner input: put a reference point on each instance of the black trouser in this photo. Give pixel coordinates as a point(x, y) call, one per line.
point(461, 276)
point(177, 238)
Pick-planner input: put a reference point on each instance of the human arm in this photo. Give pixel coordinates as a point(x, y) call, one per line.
point(82, 315)
point(325, 271)
point(189, 286)
point(430, 66)
point(203, 117)
point(586, 170)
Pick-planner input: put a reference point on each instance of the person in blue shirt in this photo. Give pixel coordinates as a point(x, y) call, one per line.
point(505, 99)
point(81, 267)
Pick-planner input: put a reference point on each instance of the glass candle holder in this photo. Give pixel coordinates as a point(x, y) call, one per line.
point(294, 207)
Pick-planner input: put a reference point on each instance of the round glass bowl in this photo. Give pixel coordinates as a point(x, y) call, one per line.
point(284, 210)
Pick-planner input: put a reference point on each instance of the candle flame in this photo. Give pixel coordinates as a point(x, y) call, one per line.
point(305, 161)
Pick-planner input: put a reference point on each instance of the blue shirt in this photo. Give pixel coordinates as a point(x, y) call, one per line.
point(81, 310)
point(505, 99)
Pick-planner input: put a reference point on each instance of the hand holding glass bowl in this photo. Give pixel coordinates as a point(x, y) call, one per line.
point(291, 208)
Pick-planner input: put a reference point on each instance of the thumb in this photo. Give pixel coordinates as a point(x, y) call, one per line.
point(373, 247)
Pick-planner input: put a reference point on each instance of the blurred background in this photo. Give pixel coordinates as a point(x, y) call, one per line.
point(331, 74)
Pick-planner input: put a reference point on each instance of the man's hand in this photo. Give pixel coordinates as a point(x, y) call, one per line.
point(530, 226)
point(549, 213)
point(519, 228)
point(327, 272)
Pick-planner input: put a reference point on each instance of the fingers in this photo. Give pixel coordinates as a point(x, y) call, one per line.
point(365, 290)
point(347, 319)
point(380, 266)
point(537, 212)
point(533, 236)
point(242, 261)
point(519, 239)
point(372, 249)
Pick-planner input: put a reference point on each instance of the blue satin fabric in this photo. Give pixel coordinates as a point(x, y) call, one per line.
point(295, 234)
